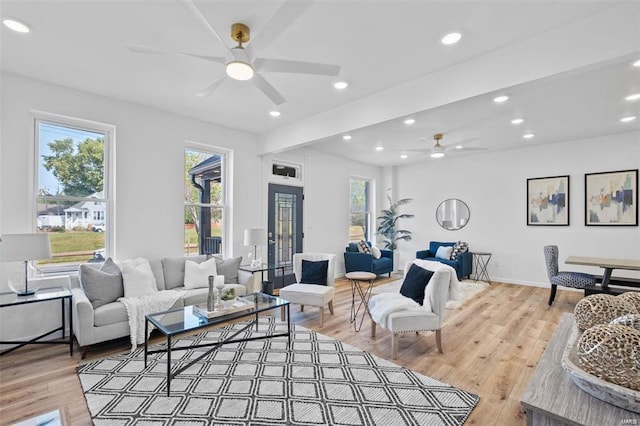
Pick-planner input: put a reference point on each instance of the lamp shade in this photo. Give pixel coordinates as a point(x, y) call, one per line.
point(255, 236)
point(22, 247)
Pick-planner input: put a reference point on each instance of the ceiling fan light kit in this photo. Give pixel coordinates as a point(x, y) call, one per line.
point(239, 70)
point(438, 150)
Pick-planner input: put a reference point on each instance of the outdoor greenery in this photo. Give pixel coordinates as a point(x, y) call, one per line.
point(388, 224)
point(71, 246)
point(358, 209)
point(80, 173)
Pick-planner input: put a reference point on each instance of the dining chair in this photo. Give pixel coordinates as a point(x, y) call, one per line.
point(566, 279)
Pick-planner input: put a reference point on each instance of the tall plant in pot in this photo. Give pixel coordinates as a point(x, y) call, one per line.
point(388, 224)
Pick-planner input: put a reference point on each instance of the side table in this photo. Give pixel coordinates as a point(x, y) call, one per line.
point(358, 280)
point(481, 260)
point(63, 294)
point(263, 268)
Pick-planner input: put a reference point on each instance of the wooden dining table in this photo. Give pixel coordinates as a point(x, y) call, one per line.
point(606, 263)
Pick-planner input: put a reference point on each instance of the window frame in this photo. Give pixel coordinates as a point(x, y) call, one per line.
point(109, 132)
point(226, 161)
point(369, 206)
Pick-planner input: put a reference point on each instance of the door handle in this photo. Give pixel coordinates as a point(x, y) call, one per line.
point(271, 242)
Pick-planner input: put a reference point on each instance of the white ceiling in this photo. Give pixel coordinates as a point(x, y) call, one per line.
point(380, 46)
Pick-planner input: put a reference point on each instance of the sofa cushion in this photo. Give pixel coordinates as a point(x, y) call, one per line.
point(228, 268)
point(196, 275)
point(102, 285)
point(111, 313)
point(314, 272)
point(415, 282)
point(137, 278)
point(173, 268)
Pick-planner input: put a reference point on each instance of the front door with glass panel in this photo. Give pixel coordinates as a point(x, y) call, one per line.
point(285, 230)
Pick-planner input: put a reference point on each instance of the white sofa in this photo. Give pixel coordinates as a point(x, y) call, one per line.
point(110, 321)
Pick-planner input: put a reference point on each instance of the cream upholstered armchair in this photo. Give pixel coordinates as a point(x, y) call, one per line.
point(409, 318)
point(311, 294)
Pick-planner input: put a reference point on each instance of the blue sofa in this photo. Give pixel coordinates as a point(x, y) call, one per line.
point(463, 264)
point(356, 261)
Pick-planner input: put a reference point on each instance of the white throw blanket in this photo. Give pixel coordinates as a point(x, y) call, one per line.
point(138, 307)
point(381, 305)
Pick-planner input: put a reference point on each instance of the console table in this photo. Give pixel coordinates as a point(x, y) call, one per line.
point(551, 397)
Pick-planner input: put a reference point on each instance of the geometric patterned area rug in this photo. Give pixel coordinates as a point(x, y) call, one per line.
point(318, 381)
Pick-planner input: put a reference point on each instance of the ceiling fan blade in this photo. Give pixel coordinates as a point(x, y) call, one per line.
point(136, 48)
point(196, 12)
point(211, 88)
point(297, 67)
point(280, 21)
point(268, 89)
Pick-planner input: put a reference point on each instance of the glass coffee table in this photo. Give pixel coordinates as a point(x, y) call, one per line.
point(185, 319)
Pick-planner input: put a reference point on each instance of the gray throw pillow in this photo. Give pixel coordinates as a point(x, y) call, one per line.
point(102, 286)
point(228, 268)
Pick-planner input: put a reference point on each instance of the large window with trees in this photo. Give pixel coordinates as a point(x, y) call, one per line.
point(360, 208)
point(72, 190)
point(204, 201)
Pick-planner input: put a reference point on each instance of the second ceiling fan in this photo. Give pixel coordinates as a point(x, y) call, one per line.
point(240, 62)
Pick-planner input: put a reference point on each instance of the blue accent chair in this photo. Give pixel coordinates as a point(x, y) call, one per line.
point(356, 261)
point(463, 264)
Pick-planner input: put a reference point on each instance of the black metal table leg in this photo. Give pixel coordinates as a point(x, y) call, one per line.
point(606, 277)
point(168, 364)
point(289, 325)
point(70, 326)
point(146, 340)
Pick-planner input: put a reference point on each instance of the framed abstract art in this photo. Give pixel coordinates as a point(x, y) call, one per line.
point(611, 198)
point(548, 201)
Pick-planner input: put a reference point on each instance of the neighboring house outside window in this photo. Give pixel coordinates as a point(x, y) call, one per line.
point(204, 202)
point(71, 191)
point(360, 209)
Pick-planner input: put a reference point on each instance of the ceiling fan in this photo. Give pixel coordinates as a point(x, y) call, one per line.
point(240, 62)
point(439, 151)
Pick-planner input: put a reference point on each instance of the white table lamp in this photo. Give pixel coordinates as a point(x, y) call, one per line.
point(255, 237)
point(24, 248)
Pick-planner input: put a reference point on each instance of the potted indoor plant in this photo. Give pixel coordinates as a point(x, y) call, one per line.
point(388, 224)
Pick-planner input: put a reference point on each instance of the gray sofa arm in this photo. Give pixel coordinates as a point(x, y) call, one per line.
point(250, 281)
point(83, 317)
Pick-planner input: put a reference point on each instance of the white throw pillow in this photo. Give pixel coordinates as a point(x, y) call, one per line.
point(196, 275)
point(375, 251)
point(444, 252)
point(137, 278)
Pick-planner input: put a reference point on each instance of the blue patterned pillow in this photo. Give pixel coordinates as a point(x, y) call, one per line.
point(459, 248)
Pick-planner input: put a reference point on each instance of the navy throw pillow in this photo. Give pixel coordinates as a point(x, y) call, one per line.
point(415, 282)
point(314, 272)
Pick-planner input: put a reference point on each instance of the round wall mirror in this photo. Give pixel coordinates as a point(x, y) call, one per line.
point(452, 214)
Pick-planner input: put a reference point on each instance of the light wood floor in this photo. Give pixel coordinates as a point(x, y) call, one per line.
point(491, 346)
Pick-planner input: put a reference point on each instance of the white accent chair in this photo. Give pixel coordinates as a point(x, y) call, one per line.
point(428, 317)
point(311, 294)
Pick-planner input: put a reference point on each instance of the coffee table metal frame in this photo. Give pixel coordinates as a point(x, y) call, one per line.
point(180, 320)
point(357, 279)
point(45, 294)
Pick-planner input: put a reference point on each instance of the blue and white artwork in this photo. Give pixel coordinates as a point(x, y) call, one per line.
point(611, 198)
point(548, 201)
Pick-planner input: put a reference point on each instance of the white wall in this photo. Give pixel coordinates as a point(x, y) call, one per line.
point(494, 188)
point(149, 174)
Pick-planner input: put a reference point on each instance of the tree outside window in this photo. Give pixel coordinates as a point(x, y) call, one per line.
point(360, 199)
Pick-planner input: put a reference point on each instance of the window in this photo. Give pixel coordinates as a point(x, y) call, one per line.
point(360, 208)
point(204, 202)
point(72, 190)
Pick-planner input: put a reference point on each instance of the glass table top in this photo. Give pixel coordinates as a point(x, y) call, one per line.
point(48, 293)
point(183, 319)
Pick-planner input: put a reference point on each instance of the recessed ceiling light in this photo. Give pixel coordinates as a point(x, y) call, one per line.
point(528, 135)
point(16, 26)
point(637, 63)
point(340, 85)
point(459, 146)
point(628, 119)
point(633, 97)
point(403, 156)
point(346, 137)
point(451, 38)
point(274, 113)
point(517, 121)
point(500, 99)
point(379, 148)
point(409, 121)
